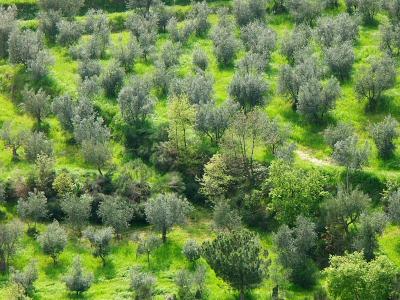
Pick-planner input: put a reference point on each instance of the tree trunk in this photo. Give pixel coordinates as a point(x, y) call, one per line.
point(15, 154)
point(241, 295)
point(99, 169)
point(164, 235)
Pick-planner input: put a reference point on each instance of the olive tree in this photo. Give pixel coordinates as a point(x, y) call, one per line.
point(304, 11)
point(77, 280)
point(115, 212)
point(351, 154)
point(225, 43)
point(374, 80)
point(100, 240)
point(127, 53)
point(291, 78)
point(69, 32)
point(371, 225)
point(24, 45)
point(8, 23)
point(135, 100)
point(295, 41)
point(53, 240)
point(37, 104)
point(294, 247)
point(246, 11)
point(112, 79)
point(10, 234)
point(225, 217)
point(89, 68)
point(77, 210)
point(145, 30)
point(191, 250)
point(13, 137)
point(200, 59)
point(199, 17)
point(39, 66)
point(390, 39)
point(165, 211)
point(248, 89)
point(35, 144)
point(143, 284)
point(393, 206)
point(384, 133)
point(34, 208)
point(340, 59)
point(148, 244)
point(213, 120)
point(393, 9)
point(316, 99)
point(237, 258)
point(177, 33)
point(368, 9)
point(339, 132)
point(63, 108)
point(336, 30)
point(26, 278)
point(259, 39)
point(197, 88)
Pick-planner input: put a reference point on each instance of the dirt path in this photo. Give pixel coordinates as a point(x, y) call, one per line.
point(304, 155)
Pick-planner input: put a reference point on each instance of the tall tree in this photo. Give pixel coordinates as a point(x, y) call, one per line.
point(34, 208)
point(236, 257)
point(53, 240)
point(166, 210)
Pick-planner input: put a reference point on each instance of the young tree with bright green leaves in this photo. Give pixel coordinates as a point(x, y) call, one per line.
point(237, 258)
point(181, 116)
point(167, 210)
point(53, 240)
point(295, 191)
point(77, 280)
point(115, 212)
point(100, 240)
point(10, 234)
point(350, 277)
point(146, 245)
point(77, 209)
point(34, 208)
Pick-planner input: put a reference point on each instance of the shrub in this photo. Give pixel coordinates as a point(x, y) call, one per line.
point(246, 11)
point(143, 284)
point(191, 250)
point(77, 281)
point(27, 277)
point(112, 79)
point(200, 59)
point(39, 66)
point(384, 133)
point(36, 144)
point(8, 24)
point(69, 32)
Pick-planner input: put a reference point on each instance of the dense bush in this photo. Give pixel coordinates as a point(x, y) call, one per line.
point(375, 79)
point(384, 133)
point(7, 25)
point(112, 79)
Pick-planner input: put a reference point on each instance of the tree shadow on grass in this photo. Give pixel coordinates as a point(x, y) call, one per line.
point(107, 271)
point(164, 256)
point(55, 270)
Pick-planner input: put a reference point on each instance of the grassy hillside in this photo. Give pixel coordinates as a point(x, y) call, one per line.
point(112, 280)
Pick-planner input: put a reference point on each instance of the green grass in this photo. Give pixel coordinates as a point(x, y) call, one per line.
point(112, 281)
